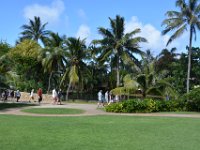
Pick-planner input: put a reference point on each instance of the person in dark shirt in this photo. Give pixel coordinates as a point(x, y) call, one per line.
point(39, 92)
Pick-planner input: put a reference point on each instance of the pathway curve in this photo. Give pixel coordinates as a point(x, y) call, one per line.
point(90, 110)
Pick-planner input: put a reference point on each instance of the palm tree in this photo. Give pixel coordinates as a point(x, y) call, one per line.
point(149, 83)
point(75, 54)
point(166, 60)
point(187, 17)
point(35, 30)
point(117, 46)
point(53, 56)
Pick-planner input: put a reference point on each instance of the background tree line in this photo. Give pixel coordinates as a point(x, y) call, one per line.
point(42, 58)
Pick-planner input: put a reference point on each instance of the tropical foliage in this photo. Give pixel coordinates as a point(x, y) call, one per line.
point(117, 62)
point(180, 21)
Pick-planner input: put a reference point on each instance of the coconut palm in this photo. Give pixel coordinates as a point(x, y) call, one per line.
point(180, 21)
point(53, 56)
point(150, 83)
point(75, 54)
point(117, 46)
point(35, 30)
point(166, 60)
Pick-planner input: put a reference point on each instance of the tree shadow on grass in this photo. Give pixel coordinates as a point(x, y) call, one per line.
point(4, 106)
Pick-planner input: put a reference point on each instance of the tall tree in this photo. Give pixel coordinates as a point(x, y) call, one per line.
point(35, 30)
point(166, 60)
point(75, 54)
point(117, 46)
point(180, 21)
point(53, 56)
point(4, 62)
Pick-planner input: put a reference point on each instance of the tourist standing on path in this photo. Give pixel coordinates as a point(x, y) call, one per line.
point(17, 95)
point(39, 92)
point(107, 96)
point(110, 98)
point(100, 95)
point(12, 95)
point(54, 96)
point(59, 96)
point(31, 95)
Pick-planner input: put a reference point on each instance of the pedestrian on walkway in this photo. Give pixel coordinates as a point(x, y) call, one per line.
point(39, 92)
point(31, 95)
point(18, 95)
point(54, 96)
point(100, 100)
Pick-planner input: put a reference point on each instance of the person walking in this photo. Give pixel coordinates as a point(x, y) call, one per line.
point(99, 98)
point(39, 92)
point(31, 95)
point(54, 96)
point(59, 95)
point(107, 97)
point(18, 95)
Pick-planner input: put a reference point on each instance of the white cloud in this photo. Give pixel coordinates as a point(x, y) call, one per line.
point(156, 41)
point(84, 32)
point(47, 13)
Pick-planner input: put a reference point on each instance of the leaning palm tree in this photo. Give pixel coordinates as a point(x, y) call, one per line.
point(118, 46)
point(53, 56)
point(75, 54)
point(35, 30)
point(180, 21)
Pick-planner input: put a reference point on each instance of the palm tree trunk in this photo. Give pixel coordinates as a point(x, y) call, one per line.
point(189, 61)
point(117, 70)
point(67, 95)
point(49, 84)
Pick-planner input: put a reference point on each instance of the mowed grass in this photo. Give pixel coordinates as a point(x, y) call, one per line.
point(98, 133)
point(181, 112)
point(53, 111)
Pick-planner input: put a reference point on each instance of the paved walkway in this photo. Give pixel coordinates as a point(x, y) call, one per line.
point(90, 110)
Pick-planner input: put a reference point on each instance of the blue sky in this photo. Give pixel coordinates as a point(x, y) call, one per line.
point(83, 17)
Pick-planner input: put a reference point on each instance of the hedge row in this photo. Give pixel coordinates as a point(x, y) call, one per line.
point(188, 102)
point(146, 105)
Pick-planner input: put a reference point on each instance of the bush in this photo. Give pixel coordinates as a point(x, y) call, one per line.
point(130, 106)
point(192, 100)
point(167, 106)
point(145, 106)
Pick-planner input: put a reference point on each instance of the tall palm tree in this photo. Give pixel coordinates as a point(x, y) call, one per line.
point(76, 52)
point(35, 30)
point(166, 60)
point(186, 18)
point(118, 46)
point(53, 56)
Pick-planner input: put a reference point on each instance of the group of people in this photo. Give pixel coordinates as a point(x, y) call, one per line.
point(8, 93)
point(56, 95)
point(39, 94)
point(106, 98)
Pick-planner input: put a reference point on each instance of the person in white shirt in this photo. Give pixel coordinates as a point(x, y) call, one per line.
point(107, 97)
point(99, 98)
point(31, 95)
point(54, 96)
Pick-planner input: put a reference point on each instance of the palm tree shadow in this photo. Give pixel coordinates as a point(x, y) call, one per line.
point(4, 106)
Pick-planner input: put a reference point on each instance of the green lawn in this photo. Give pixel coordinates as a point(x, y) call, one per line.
point(53, 111)
point(181, 112)
point(98, 133)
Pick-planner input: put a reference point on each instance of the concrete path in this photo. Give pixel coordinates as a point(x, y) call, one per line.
point(90, 110)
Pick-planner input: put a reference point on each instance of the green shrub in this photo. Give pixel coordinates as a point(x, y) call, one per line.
point(192, 100)
point(167, 106)
point(130, 106)
point(146, 106)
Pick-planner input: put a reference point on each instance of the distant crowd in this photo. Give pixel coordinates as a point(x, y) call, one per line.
point(106, 98)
